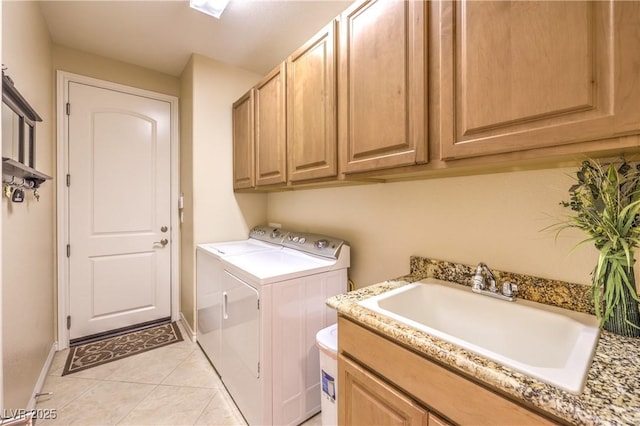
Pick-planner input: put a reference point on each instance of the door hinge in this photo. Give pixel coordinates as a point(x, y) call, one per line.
point(68, 322)
point(258, 304)
point(68, 108)
point(68, 179)
point(68, 250)
point(258, 368)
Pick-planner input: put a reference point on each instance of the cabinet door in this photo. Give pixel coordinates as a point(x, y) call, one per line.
point(311, 108)
point(437, 421)
point(541, 74)
point(363, 399)
point(270, 128)
point(243, 159)
point(382, 91)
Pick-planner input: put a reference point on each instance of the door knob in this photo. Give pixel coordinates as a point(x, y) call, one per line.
point(163, 242)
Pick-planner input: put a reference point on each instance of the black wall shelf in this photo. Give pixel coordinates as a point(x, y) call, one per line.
point(20, 170)
point(20, 166)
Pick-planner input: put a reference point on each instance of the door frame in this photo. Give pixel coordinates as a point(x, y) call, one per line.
point(62, 198)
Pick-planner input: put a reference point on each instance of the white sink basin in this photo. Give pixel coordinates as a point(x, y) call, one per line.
point(551, 344)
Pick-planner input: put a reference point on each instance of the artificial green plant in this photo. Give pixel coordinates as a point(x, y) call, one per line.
point(605, 202)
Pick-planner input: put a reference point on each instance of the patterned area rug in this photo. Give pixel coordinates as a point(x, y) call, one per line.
point(93, 354)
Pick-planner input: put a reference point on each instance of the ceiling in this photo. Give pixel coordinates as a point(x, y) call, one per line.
point(254, 35)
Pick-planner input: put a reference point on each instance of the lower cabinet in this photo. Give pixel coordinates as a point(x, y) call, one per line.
point(383, 383)
point(368, 400)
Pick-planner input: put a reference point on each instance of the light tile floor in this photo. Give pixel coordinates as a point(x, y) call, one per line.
point(172, 385)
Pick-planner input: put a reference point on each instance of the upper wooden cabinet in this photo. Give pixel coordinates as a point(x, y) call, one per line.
point(382, 85)
point(270, 128)
point(520, 75)
point(243, 154)
point(311, 108)
point(507, 81)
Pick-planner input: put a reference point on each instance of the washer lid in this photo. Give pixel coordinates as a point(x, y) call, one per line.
point(271, 265)
point(234, 248)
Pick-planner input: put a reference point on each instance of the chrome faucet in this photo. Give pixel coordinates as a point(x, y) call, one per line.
point(483, 273)
point(479, 279)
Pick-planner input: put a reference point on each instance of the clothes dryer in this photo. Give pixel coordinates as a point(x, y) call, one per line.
point(273, 305)
point(209, 283)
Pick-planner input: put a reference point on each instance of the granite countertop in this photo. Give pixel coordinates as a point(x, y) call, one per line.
point(612, 391)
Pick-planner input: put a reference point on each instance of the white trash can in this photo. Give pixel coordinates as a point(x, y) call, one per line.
point(327, 341)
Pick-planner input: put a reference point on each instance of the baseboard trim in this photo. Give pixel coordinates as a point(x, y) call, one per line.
point(43, 376)
point(187, 327)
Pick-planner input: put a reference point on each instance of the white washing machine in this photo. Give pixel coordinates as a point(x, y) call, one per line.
point(209, 283)
point(273, 306)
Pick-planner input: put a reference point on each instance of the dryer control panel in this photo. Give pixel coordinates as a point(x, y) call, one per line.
point(316, 244)
point(268, 234)
point(320, 245)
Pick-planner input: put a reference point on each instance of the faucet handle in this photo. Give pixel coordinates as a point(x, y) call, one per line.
point(478, 279)
point(508, 288)
point(493, 288)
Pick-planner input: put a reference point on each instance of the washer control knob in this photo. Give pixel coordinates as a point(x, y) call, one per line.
point(320, 244)
point(295, 239)
point(302, 240)
point(275, 233)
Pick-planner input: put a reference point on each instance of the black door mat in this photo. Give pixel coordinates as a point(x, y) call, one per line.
point(93, 354)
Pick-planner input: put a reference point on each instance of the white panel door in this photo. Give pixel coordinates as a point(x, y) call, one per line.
point(119, 210)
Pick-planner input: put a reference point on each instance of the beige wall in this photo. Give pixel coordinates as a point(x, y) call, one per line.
point(28, 228)
point(212, 211)
point(187, 254)
point(219, 214)
point(88, 64)
point(495, 218)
